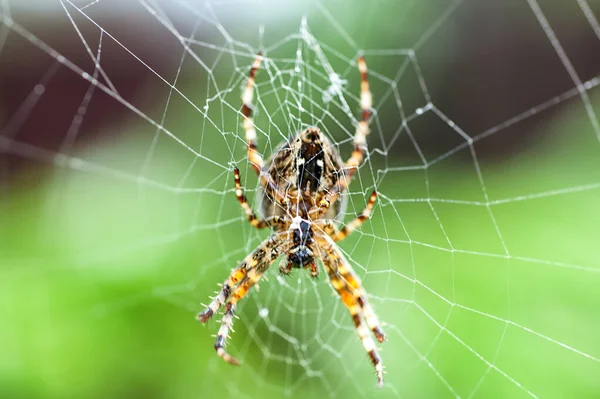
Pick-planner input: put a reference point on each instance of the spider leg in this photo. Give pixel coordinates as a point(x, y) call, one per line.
point(264, 256)
point(248, 124)
point(355, 286)
point(267, 249)
point(362, 129)
point(227, 322)
point(338, 235)
point(254, 157)
point(360, 141)
point(254, 221)
point(353, 296)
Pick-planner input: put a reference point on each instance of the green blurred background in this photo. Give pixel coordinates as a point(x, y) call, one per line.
point(118, 217)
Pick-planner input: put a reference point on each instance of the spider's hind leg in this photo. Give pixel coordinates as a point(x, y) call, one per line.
point(358, 315)
point(265, 251)
point(227, 320)
point(354, 298)
point(247, 274)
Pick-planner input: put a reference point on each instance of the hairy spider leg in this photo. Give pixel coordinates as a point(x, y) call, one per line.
point(362, 129)
point(264, 260)
point(360, 142)
point(248, 123)
point(267, 248)
point(342, 266)
point(227, 321)
point(254, 157)
point(254, 221)
point(339, 235)
point(336, 265)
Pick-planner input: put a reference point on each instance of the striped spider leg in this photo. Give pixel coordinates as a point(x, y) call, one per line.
point(254, 157)
point(345, 281)
point(338, 235)
point(360, 141)
point(237, 285)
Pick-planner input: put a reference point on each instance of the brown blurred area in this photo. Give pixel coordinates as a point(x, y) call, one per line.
point(46, 105)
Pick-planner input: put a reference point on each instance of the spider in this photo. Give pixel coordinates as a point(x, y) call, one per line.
point(301, 185)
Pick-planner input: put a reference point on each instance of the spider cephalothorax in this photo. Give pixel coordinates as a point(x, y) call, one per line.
point(301, 184)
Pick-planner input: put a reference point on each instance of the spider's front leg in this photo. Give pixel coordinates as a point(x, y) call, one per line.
point(246, 274)
point(360, 144)
point(248, 124)
point(254, 157)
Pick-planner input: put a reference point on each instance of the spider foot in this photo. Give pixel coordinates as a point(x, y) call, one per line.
point(379, 372)
point(226, 356)
point(379, 334)
point(378, 366)
point(205, 315)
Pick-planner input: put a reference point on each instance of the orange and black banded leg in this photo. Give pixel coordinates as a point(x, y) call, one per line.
point(267, 248)
point(254, 157)
point(360, 141)
point(355, 287)
point(254, 221)
point(362, 129)
point(356, 312)
point(248, 124)
point(238, 293)
point(354, 224)
point(340, 264)
point(227, 320)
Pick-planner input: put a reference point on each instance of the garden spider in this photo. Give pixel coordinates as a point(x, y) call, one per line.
point(300, 189)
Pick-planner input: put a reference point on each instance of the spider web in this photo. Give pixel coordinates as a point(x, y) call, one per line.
point(480, 257)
